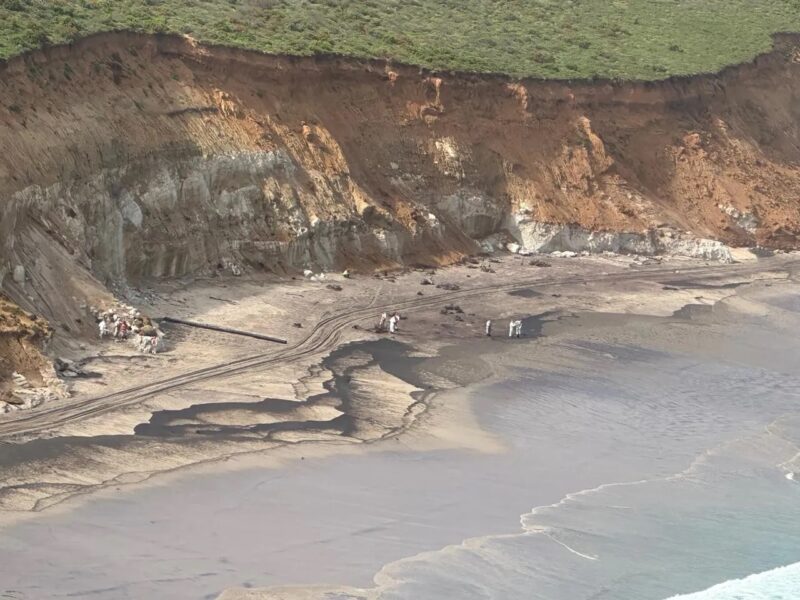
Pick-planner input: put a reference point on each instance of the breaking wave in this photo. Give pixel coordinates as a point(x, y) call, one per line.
point(782, 583)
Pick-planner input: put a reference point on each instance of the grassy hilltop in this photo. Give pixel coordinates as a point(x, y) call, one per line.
point(629, 39)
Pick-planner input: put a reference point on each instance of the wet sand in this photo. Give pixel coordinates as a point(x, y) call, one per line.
point(209, 420)
point(596, 398)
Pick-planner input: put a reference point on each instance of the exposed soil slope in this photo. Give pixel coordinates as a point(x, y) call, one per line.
point(129, 157)
point(21, 338)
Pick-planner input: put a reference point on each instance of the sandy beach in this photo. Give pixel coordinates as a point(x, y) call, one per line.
point(368, 466)
point(90, 441)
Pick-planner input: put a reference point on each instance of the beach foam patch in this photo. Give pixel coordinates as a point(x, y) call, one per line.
point(782, 583)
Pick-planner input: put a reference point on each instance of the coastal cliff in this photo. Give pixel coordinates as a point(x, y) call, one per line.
point(131, 157)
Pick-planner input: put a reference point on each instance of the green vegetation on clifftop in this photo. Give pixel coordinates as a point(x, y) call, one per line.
point(628, 39)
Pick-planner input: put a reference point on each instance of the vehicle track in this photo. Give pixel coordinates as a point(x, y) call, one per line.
point(325, 336)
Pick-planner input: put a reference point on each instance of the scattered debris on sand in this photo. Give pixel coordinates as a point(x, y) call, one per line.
point(537, 262)
point(124, 323)
point(451, 309)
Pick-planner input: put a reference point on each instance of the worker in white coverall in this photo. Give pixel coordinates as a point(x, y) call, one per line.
point(393, 323)
point(511, 326)
point(489, 328)
point(382, 323)
point(519, 329)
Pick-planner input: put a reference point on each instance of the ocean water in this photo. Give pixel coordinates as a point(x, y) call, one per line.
point(730, 512)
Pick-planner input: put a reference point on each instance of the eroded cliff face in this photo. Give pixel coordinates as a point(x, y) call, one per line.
point(130, 157)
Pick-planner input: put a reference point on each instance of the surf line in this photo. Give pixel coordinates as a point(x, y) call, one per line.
point(546, 532)
point(784, 466)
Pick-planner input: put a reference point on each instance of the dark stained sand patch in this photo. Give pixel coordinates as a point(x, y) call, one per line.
point(526, 293)
point(392, 356)
point(686, 284)
point(40, 470)
point(693, 311)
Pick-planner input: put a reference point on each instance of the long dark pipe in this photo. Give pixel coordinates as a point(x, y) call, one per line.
point(258, 336)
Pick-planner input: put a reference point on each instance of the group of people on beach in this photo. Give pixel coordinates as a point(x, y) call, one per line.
point(514, 328)
point(145, 336)
point(113, 326)
point(392, 322)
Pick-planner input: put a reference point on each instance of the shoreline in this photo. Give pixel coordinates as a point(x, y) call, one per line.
point(393, 578)
point(416, 343)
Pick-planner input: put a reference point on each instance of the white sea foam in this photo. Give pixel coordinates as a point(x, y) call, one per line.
point(782, 583)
